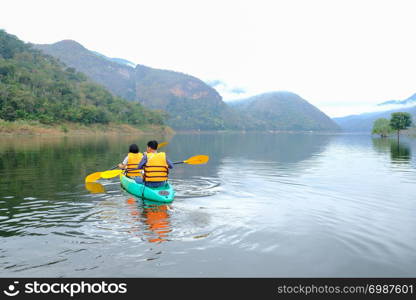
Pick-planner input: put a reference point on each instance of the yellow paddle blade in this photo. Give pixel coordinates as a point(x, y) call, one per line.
point(93, 177)
point(161, 145)
point(110, 174)
point(94, 187)
point(197, 160)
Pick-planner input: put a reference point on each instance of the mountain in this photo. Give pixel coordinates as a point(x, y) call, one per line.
point(283, 111)
point(35, 86)
point(364, 122)
point(409, 101)
point(118, 78)
point(188, 101)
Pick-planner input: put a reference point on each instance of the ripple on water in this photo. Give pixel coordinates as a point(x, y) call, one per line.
point(196, 187)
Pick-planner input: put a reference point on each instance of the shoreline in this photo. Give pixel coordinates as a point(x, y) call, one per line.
point(34, 128)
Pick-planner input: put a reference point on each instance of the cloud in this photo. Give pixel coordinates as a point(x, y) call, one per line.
point(238, 90)
point(214, 83)
point(227, 91)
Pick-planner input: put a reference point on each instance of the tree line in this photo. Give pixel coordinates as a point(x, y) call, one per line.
point(398, 121)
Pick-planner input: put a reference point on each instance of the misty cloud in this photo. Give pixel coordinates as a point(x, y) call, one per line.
point(226, 91)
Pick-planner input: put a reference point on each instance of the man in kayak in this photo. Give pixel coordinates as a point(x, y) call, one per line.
point(155, 165)
point(131, 162)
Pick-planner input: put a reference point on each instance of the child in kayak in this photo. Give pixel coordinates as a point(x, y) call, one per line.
point(130, 164)
point(155, 165)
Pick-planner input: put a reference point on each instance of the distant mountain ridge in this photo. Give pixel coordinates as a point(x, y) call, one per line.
point(283, 111)
point(364, 122)
point(188, 101)
point(410, 100)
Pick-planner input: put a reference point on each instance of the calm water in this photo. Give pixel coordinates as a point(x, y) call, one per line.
point(280, 205)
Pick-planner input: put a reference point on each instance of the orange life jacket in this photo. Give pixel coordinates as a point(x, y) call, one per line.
point(133, 161)
point(156, 168)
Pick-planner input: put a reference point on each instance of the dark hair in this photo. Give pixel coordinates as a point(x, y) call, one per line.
point(152, 144)
point(134, 148)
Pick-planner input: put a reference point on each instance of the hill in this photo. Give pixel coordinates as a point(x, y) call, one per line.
point(282, 111)
point(188, 101)
point(35, 86)
point(364, 122)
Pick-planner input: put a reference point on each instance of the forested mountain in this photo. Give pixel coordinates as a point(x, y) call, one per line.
point(282, 111)
point(35, 86)
point(188, 101)
point(118, 78)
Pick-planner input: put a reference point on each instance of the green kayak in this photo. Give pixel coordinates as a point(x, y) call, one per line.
point(164, 193)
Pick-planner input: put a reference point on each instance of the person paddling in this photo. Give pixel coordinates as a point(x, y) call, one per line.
point(155, 165)
point(131, 162)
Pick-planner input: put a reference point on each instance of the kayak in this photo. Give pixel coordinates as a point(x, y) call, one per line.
point(164, 193)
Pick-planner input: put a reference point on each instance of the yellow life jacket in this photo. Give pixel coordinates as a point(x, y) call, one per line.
point(133, 160)
point(156, 168)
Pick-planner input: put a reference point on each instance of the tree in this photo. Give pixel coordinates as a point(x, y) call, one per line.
point(400, 121)
point(382, 127)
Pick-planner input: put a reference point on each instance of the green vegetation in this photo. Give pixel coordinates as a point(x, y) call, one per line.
point(400, 121)
point(34, 86)
point(382, 127)
point(189, 103)
point(281, 111)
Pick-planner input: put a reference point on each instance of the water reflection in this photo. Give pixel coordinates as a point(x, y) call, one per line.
point(154, 216)
point(285, 149)
point(267, 205)
point(400, 153)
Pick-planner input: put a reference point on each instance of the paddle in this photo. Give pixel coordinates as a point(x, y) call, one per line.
point(93, 177)
point(94, 188)
point(161, 145)
point(194, 160)
point(110, 174)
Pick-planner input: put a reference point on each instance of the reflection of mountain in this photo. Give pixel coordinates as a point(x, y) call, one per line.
point(40, 165)
point(278, 148)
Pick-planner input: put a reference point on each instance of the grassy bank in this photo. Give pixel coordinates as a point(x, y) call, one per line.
point(71, 129)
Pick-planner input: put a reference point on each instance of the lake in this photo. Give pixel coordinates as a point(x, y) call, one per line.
point(265, 205)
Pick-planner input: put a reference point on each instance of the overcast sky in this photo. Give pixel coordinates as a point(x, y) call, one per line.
point(342, 56)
